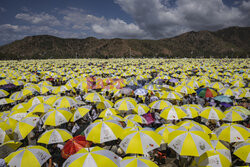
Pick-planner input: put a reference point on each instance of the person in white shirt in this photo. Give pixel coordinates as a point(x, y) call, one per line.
point(31, 138)
point(153, 98)
point(75, 128)
point(78, 98)
point(2, 163)
point(60, 146)
point(40, 125)
point(200, 101)
point(92, 114)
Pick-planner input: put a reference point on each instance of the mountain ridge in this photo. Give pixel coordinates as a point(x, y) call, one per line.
point(229, 42)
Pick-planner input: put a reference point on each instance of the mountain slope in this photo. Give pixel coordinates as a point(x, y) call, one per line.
point(231, 42)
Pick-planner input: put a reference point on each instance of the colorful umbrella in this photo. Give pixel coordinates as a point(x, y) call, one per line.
point(189, 143)
point(224, 99)
point(231, 115)
point(191, 112)
point(170, 95)
point(217, 85)
point(108, 112)
point(240, 109)
point(105, 104)
point(102, 131)
point(232, 132)
point(136, 118)
point(140, 141)
point(227, 92)
point(164, 131)
point(54, 136)
point(34, 156)
point(6, 101)
point(173, 113)
point(184, 89)
point(243, 152)
point(125, 104)
point(25, 126)
point(8, 147)
point(212, 113)
point(3, 93)
point(40, 108)
point(56, 117)
point(80, 112)
point(65, 102)
point(94, 97)
point(219, 156)
point(137, 162)
point(94, 156)
point(141, 109)
point(190, 123)
point(3, 136)
point(160, 104)
point(73, 145)
point(140, 92)
point(206, 92)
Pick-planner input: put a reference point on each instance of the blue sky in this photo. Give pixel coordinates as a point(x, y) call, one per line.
point(150, 19)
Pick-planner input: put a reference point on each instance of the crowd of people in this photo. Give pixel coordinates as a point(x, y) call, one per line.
point(139, 82)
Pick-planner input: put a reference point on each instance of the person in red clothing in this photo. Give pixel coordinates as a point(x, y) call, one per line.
point(159, 157)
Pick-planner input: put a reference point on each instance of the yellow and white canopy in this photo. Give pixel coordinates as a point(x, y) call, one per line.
point(164, 131)
point(189, 142)
point(219, 156)
point(125, 104)
point(102, 131)
point(54, 136)
point(94, 156)
point(173, 113)
point(108, 112)
point(94, 97)
point(25, 126)
point(34, 156)
point(232, 132)
point(243, 152)
point(212, 113)
point(140, 141)
point(40, 108)
point(80, 112)
point(3, 93)
point(136, 118)
point(234, 115)
point(3, 136)
point(65, 102)
point(160, 104)
point(56, 117)
point(141, 109)
point(136, 162)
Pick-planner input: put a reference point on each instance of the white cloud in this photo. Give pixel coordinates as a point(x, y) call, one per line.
point(42, 18)
point(25, 9)
point(8, 26)
point(2, 10)
point(152, 19)
point(118, 28)
point(9, 32)
point(13, 28)
point(162, 18)
point(246, 5)
point(78, 19)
